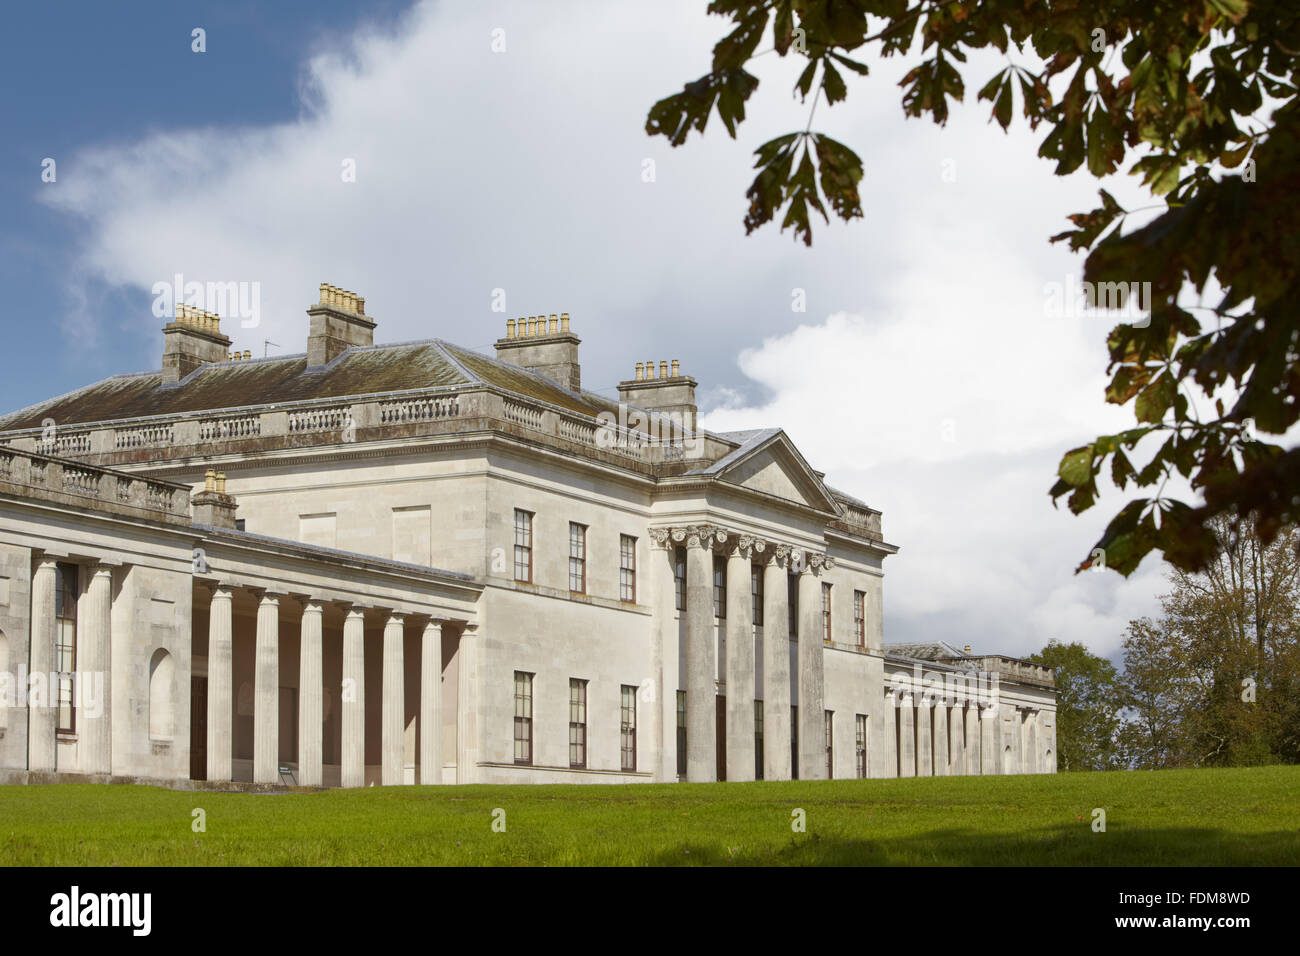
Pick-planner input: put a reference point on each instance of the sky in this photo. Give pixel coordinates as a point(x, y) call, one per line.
point(441, 158)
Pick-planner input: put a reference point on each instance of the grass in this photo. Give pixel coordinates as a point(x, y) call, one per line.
point(1248, 816)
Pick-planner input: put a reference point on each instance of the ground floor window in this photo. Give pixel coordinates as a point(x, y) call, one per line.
point(828, 725)
point(860, 744)
point(577, 723)
point(523, 717)
point(794, 742)
point(758, 740)
point(627, 727)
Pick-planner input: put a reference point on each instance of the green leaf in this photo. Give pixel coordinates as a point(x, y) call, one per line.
point(1076, 466)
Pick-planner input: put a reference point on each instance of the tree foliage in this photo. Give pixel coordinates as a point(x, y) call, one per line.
point(1173, 92)
point(1088, 704)
point(1216, 680)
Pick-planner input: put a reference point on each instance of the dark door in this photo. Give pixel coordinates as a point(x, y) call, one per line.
point(198, 728)
point(722, 737)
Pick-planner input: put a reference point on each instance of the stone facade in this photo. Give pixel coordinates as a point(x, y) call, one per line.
point(401, 564)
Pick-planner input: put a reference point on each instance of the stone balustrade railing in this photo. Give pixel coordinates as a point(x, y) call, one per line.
point(41, 476)
point(328, 422)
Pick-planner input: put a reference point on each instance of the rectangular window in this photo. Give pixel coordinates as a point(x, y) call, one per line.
point(523, 717)
point(826, 613)
point(577, 722)
point(627, 727)
point(860, 744)
point(577, 557)
point(65, 644)
point(859, 618)
point(758, 740)
point(794, 742)
point(681, 733)
point(679, 577)
point(756, 594)
point(627, 568)
point(720, 587)
point(792, 600)
point(829, 728)
point(523, 546)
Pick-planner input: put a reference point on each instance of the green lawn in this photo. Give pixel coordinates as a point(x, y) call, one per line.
point(1193, 817)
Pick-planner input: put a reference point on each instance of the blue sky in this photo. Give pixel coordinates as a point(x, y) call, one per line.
point(77, 74)
point(927, 375)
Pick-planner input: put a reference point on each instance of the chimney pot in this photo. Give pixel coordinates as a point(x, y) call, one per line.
point(564, 322)
point(663, 369)
point(555, 324)
point(640, 371)
point(967, 648)
point(510, 328)
point(247, 354)
point(210, 480)
point(677, 369)
point(221, 482)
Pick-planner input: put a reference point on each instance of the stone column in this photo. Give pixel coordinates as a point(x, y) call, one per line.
point(906, 736)
point(924, 737)
point(940, 737)
point(353, 697)
point(42, 715)
point(661, 742)
point(776, 665)
point(467, 706)
point(990, 740)
point(431, 704)
point(96, 731)
point(266, 686)
point(220, 682)
point(311, 724)
point(740, 663)
point(957, 738)
point(972, 738)
point(890, 743)
point(812, 675)
point(394, 703)
point(701, 662)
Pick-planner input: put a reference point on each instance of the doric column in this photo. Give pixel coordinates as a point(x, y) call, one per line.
point(96, 730)
point(906, 736)
point(889, 743)
point(466, 706)
point(972, 738)
point(701, 663)
point(957, 738)
point(220, 682)
point(940, 737)
point(776, 664)
point(394, 703)
point(311, 726)
point(924, 736)
point(42, 716)
point(431, 704)
point(353, 697)
point(740, 662)
point(812, 673)
point(990, 740)
point(266, 686)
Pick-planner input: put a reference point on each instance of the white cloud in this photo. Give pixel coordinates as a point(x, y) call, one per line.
point(925, 377)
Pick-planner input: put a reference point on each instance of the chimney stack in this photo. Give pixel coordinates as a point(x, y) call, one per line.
point(193, 338)
point(337, 322)
point(545, 346)
point(668, 393)
point(212, 506)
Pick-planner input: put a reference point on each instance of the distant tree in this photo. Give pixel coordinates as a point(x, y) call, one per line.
point(1216, 681)
point(1087, 706)
point(1201, 99)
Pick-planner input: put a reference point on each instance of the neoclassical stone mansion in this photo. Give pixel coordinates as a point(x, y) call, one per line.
point(414, 563)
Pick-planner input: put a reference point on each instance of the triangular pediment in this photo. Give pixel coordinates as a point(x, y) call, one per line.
point(775, 467)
